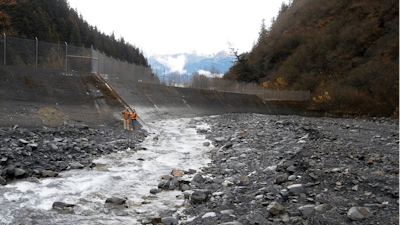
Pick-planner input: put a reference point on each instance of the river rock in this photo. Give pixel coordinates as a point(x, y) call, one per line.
point(3, 181)
point(307, 209)
point(169, 221)
point(358, 213)
point(198, 179)
point(232, 223)
point(155, 190)
point(23, 141)
point(49, 173)
point(61, 205)
point(164, 184)
point(116, 200)
point(209, 214)
point(199, 196)
point(257, 218)
point(275, 208)
point(19, 172)
point(76, 165)
point(296, 189)
point(281, 178)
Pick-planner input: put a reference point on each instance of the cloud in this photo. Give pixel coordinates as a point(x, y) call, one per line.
point(174, 64)
point(208, 73)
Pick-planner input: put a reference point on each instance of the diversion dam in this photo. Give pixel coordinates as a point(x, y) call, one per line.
point(44, 97)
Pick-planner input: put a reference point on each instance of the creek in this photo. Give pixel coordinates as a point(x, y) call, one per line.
point(131, 174)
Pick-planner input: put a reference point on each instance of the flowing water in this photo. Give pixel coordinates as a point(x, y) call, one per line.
point(172, 144)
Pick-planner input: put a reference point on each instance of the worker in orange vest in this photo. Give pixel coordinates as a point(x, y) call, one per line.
point(126, 118)
point(134, 116)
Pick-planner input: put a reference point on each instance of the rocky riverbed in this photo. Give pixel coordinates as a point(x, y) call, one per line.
point(45, 151)
point(265, 169)
point(293, 170)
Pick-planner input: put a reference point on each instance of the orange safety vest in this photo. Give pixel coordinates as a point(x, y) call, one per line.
point(126, 114)
point(134, 116)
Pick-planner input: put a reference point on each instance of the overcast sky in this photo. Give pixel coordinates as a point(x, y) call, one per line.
point(176, 26)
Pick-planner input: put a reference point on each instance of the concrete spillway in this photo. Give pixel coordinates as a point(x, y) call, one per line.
point(36, 97)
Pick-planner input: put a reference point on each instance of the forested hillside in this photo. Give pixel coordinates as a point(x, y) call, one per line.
point(55, 21)
point(346, 52)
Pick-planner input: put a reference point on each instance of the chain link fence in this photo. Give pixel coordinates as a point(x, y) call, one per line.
point(107, 66)
point(61, 56)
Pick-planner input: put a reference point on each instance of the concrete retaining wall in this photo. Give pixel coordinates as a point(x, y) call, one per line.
point(36, 97)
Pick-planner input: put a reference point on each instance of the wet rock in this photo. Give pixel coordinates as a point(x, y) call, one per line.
point(3, 181)
point(358, 213)
point(209, 214)
point(166, 177)
point(155, 190)
point(198, 179)
point(9, 171)
point(177, 173)
point(49, 173)
point(116, 200)
point(232, 223)
point(169, 221)
point(206, 144)
point(164, 184)
point(76, 165)
point(19, 172)
point(61, 205)
point(199, 196)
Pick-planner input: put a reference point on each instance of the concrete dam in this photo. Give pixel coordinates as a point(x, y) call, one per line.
point(44, 97)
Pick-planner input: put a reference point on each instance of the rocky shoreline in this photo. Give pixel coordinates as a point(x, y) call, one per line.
point(45, 151)
point(292, 170)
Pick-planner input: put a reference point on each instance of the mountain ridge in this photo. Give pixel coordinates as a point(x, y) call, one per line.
point(189, 62)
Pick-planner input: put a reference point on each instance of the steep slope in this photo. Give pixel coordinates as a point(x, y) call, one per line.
point(346, 52)
point(55, 21)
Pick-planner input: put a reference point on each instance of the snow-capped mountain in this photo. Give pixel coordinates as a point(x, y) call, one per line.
point(187, 63)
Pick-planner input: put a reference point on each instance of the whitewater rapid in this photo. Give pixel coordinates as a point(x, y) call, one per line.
point(171, 144)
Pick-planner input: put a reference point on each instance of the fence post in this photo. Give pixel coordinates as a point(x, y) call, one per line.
point(91, 58)
point(37, 49)
point(5, 37)
point(66, 56)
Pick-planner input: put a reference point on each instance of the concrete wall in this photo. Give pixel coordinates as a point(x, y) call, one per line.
point(36, 97)
point(153, 101)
